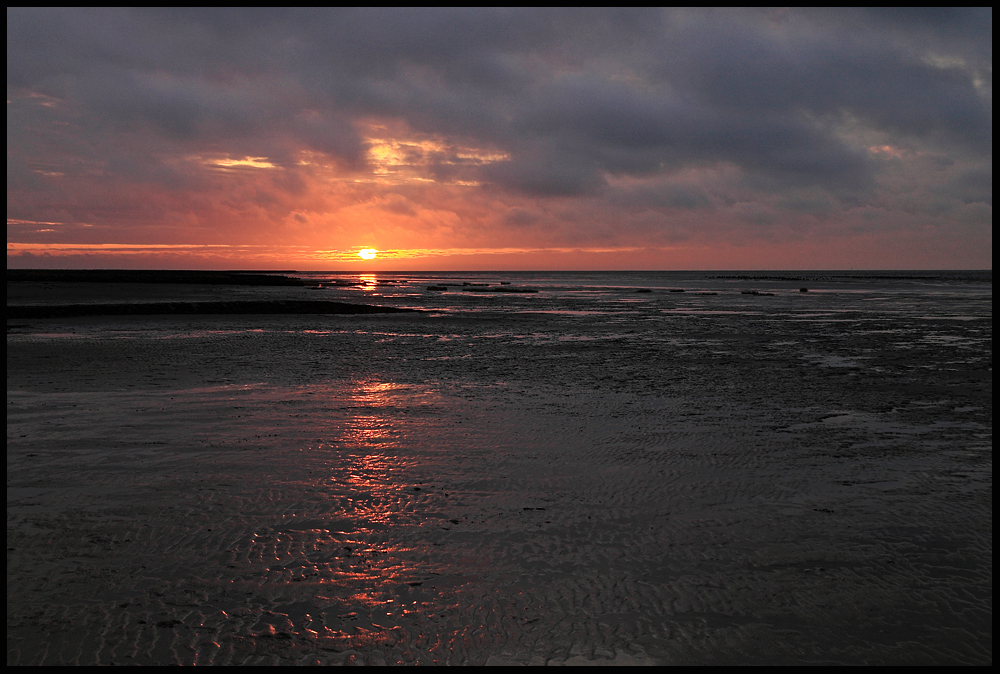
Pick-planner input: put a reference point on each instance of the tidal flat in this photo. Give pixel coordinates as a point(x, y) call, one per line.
point(604, 471)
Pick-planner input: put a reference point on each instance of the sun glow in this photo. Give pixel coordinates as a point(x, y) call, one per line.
point(246, 162)
point(367, 253)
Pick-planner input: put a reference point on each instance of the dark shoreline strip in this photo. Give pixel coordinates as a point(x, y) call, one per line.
point(181, 276)
point(205, 308)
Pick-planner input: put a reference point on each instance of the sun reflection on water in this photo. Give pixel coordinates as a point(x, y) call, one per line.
point(359, 548)
point(369, 281)
point(370, 465)
point(373, 422)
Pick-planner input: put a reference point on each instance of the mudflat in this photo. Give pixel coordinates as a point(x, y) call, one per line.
point(720, 482)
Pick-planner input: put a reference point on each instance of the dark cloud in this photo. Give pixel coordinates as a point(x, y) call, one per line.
point(973, 186)
point(520, 217)
point(543, 170)
point(714, 80)
point(576, 99)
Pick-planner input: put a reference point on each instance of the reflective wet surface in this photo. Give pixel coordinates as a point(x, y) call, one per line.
point(586, 473)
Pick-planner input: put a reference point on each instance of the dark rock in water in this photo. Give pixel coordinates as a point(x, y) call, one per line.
point(437, 288)
point(803, 290)
point(499, 289)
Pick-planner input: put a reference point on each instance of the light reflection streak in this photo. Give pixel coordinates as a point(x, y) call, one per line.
point(371, 436)
point(361, 556)
point(369, 281)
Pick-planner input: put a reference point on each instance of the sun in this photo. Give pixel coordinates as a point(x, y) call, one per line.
point(367, 253)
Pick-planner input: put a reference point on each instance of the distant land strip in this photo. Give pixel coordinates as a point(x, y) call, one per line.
point(947, 275)
point(240, 278)
point(204, 308)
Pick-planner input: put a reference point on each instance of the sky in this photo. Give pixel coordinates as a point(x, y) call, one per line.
point(500, 139)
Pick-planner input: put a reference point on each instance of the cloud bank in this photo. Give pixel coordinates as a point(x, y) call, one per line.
point(697, 138)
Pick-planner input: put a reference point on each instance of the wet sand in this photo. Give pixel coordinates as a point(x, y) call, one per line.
point(496, 489)
point(254, 308)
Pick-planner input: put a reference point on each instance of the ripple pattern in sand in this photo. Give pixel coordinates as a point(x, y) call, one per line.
point(524, 539)
point(706, 489)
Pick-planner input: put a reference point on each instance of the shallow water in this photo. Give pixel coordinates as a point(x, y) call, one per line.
point(582, 473)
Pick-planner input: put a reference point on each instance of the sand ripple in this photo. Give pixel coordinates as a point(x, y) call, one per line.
point(181, 494)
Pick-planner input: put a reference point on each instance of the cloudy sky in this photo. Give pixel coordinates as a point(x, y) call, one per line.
point(500, 139)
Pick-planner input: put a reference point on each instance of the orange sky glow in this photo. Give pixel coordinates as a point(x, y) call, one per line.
point(563, 156)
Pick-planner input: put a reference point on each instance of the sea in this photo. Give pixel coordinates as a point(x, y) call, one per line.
point(729, 467)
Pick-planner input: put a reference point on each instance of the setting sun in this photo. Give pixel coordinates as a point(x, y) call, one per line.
point(368, 253)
